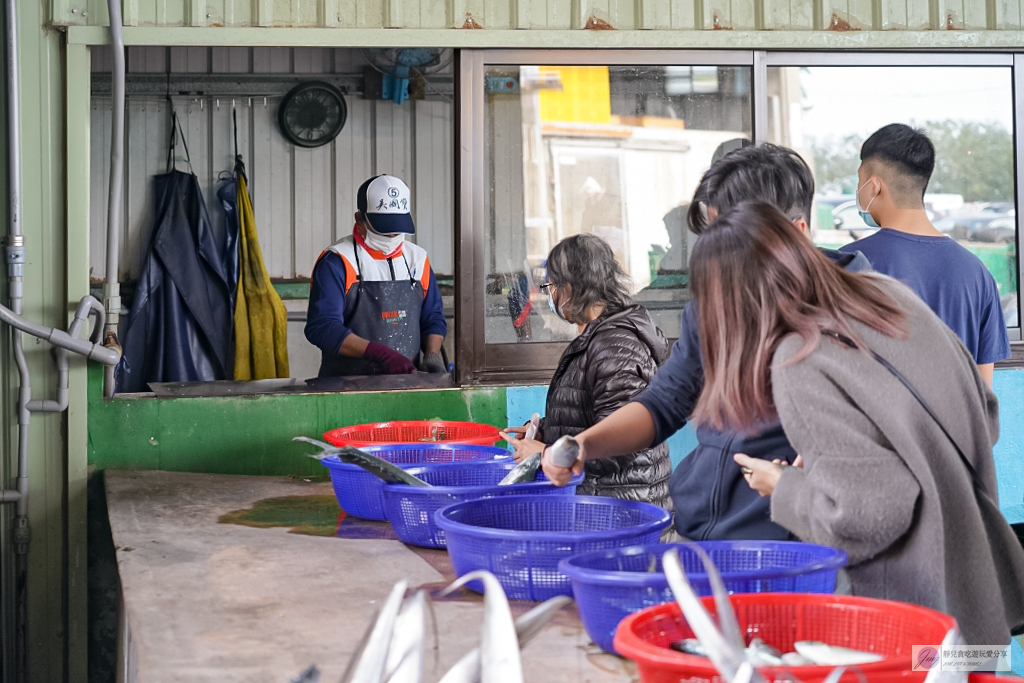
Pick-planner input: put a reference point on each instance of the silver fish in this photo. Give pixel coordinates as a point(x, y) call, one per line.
point(328, 449)
point(389, 472)
point(531, 431)
point(525, 471)
point(528, 626)
point(499, 651)
point(952, 639)
point(689, 646)
point(824, 654)
point(747, 674)
point(760, 653)
point(794, 659)
point(565, 452)
point(835, 675)
point(405, 656)
point(369, 660)
point(724, 647)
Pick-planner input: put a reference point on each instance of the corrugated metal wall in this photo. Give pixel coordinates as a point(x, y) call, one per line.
point(559, 14)
point(303, 198)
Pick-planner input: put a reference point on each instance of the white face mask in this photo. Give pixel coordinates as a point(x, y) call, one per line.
point(383, 243)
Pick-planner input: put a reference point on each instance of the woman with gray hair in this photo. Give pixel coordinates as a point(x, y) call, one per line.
point(616, 354)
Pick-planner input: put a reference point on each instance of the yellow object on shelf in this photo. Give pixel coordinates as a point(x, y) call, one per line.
point(585, 96)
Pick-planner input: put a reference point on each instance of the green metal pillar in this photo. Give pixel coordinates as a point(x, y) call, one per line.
point(77, 102)
point(46, 289)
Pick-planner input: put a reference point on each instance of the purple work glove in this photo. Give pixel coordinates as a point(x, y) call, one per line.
point(388, 361)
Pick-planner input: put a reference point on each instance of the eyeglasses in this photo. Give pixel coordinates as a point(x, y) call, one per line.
point(547, 284)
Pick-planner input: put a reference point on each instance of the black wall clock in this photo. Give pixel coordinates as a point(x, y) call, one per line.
point(312, 114)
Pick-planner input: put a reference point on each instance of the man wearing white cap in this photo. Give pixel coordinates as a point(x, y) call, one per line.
point(374, 304)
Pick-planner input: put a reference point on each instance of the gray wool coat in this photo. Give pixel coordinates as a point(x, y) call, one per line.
point(882, 482)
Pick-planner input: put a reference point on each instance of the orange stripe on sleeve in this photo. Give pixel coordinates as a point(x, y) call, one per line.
point(350, 273)
point(425, 275)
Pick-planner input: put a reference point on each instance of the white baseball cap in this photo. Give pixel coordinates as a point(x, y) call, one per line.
point(386, 201)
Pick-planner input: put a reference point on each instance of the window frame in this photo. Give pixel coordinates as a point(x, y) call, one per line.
point(481, 363)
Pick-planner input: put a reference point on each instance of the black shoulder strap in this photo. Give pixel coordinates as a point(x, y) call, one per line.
point(412, 280)
point(920, 399)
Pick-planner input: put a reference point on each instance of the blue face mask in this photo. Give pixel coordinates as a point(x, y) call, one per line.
point(551, 305)
point(864, 213)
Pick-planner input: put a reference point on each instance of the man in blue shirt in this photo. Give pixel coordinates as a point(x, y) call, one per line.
point(896, 165)
point(374, 303)
point(712, 499)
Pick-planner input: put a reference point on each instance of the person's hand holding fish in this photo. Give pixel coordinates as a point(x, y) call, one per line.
point(555, 460)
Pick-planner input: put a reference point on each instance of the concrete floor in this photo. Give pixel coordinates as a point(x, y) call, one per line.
point(206, 601)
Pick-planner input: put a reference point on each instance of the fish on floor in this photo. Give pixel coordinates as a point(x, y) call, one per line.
point(528, 625)
point(369, 661)
point(499, 643)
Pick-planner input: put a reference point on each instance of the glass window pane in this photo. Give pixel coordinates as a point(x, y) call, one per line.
point(610, 150)
point(825, 113)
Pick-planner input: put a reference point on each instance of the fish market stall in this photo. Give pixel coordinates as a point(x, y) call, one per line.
point(246, 578)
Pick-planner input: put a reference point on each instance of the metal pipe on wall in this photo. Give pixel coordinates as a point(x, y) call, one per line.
point(15, 256)
point(64, 341)
point(112, 286)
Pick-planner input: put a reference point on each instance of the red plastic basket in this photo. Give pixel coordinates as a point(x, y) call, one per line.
point(414, 431)
point(884, 626)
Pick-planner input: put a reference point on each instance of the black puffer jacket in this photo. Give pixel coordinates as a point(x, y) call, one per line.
point(610, 363)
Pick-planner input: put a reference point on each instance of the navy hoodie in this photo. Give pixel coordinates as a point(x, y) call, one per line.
point(712, 499)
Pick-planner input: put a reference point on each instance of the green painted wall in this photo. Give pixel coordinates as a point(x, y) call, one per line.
point(252, 435)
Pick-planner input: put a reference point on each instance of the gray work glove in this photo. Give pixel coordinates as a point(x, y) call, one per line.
point(433, 363)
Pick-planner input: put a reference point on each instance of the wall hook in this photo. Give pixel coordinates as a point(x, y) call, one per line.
point(264, 101)
point(250, 103)
point(218, 105)
point(232, 104)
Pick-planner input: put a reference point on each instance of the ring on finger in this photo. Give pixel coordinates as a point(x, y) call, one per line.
point(746, 471)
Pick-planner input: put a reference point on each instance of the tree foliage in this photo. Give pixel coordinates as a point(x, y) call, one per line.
point(972, 159)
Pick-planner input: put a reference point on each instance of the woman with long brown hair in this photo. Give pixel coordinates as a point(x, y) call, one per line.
point(885, 406)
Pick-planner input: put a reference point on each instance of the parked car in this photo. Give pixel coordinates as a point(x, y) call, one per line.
point(846, 217)
point(1008, 208)
point(983, 227)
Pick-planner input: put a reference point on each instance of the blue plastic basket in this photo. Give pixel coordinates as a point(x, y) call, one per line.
point(359, 492)
point(520, 539)
point(610, 585)
point(410, 509)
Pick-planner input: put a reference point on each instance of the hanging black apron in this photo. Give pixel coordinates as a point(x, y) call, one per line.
point(179, 328)
point(383, 311)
